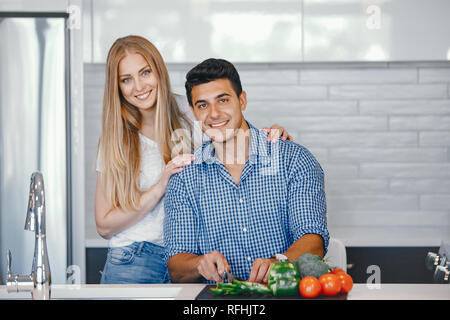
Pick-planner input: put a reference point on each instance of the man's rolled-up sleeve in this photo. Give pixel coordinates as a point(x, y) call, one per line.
point(180, 222)
point(306, 201)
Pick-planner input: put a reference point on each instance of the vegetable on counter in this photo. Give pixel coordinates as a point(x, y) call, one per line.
point(283, 278)
point(346, 282)
point(310, 287)
point(309, 276)
point(241, 288)
point(318, 278)
point(330, 283)
point(308, 257)
point(311, 265)
point(336, 271)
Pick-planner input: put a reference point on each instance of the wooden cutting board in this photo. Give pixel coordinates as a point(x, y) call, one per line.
point(207, 294)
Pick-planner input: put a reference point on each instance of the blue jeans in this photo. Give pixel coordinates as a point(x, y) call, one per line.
point(139, 262)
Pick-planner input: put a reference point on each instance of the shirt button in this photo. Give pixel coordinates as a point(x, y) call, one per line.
point(241, 200)
point(249, 258)
point(244, 229)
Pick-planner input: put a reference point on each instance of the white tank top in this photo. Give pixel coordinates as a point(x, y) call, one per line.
point(149, 228)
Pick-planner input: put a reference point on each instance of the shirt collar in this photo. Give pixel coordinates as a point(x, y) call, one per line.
point(258, 148)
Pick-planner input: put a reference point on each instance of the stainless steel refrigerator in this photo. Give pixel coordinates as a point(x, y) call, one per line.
point(34, 135)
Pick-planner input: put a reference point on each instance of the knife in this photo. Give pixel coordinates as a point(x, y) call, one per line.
point(228, 277)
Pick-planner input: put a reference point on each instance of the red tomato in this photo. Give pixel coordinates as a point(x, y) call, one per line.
point(330, 284)
point(337, 271)
point(310, 287)
point(346, 282)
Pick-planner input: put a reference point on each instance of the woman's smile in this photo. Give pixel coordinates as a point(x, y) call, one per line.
point(144, 96)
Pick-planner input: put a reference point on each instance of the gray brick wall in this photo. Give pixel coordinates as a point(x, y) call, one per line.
point(381, 131)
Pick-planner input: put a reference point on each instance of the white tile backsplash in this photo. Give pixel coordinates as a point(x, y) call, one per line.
point(335, 171)
point(376, 202)
point(269, 77)
point(387, 217)
point(381, 132)
point(432, 75)
point(346, 186)
point(405, 170)
point(387, 154)
point(419, 123)
point(286, 108)
point(358, 76)
point(405, 107)
point(434, 139)
point(285, 92)
point(359, 139)
point(420, 186)
point(435, 202)
point(389, 91)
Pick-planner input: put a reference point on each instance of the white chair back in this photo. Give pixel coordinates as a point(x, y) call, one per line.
point(336, 256)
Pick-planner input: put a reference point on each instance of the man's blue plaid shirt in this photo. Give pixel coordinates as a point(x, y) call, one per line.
point(280, 198)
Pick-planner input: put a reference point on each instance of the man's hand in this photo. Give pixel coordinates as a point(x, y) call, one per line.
point(212, 266)
point(260, 270)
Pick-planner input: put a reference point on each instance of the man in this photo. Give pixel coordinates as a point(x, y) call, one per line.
point(244, 199)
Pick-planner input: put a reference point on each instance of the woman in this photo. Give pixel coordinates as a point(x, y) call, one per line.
point(135, 161)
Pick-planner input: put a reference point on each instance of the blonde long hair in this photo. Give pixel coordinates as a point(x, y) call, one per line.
point(119, 145)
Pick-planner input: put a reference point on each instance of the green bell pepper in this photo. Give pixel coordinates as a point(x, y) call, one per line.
point(285, 287)
point(284, 278)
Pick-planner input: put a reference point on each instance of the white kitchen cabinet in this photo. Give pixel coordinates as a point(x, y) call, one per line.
point(274, 31)
point(382, 30)
point(264, 31)
point(191, 31)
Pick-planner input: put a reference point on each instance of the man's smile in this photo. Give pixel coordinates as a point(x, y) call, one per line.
point(218, 125)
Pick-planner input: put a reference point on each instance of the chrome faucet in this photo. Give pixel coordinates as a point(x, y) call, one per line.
point(39, 281)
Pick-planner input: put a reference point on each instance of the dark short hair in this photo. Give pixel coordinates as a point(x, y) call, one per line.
point(210, 70)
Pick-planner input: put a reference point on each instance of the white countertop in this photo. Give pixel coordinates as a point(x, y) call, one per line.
point(393, 291)
point(177, 291)
point(172, 291)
